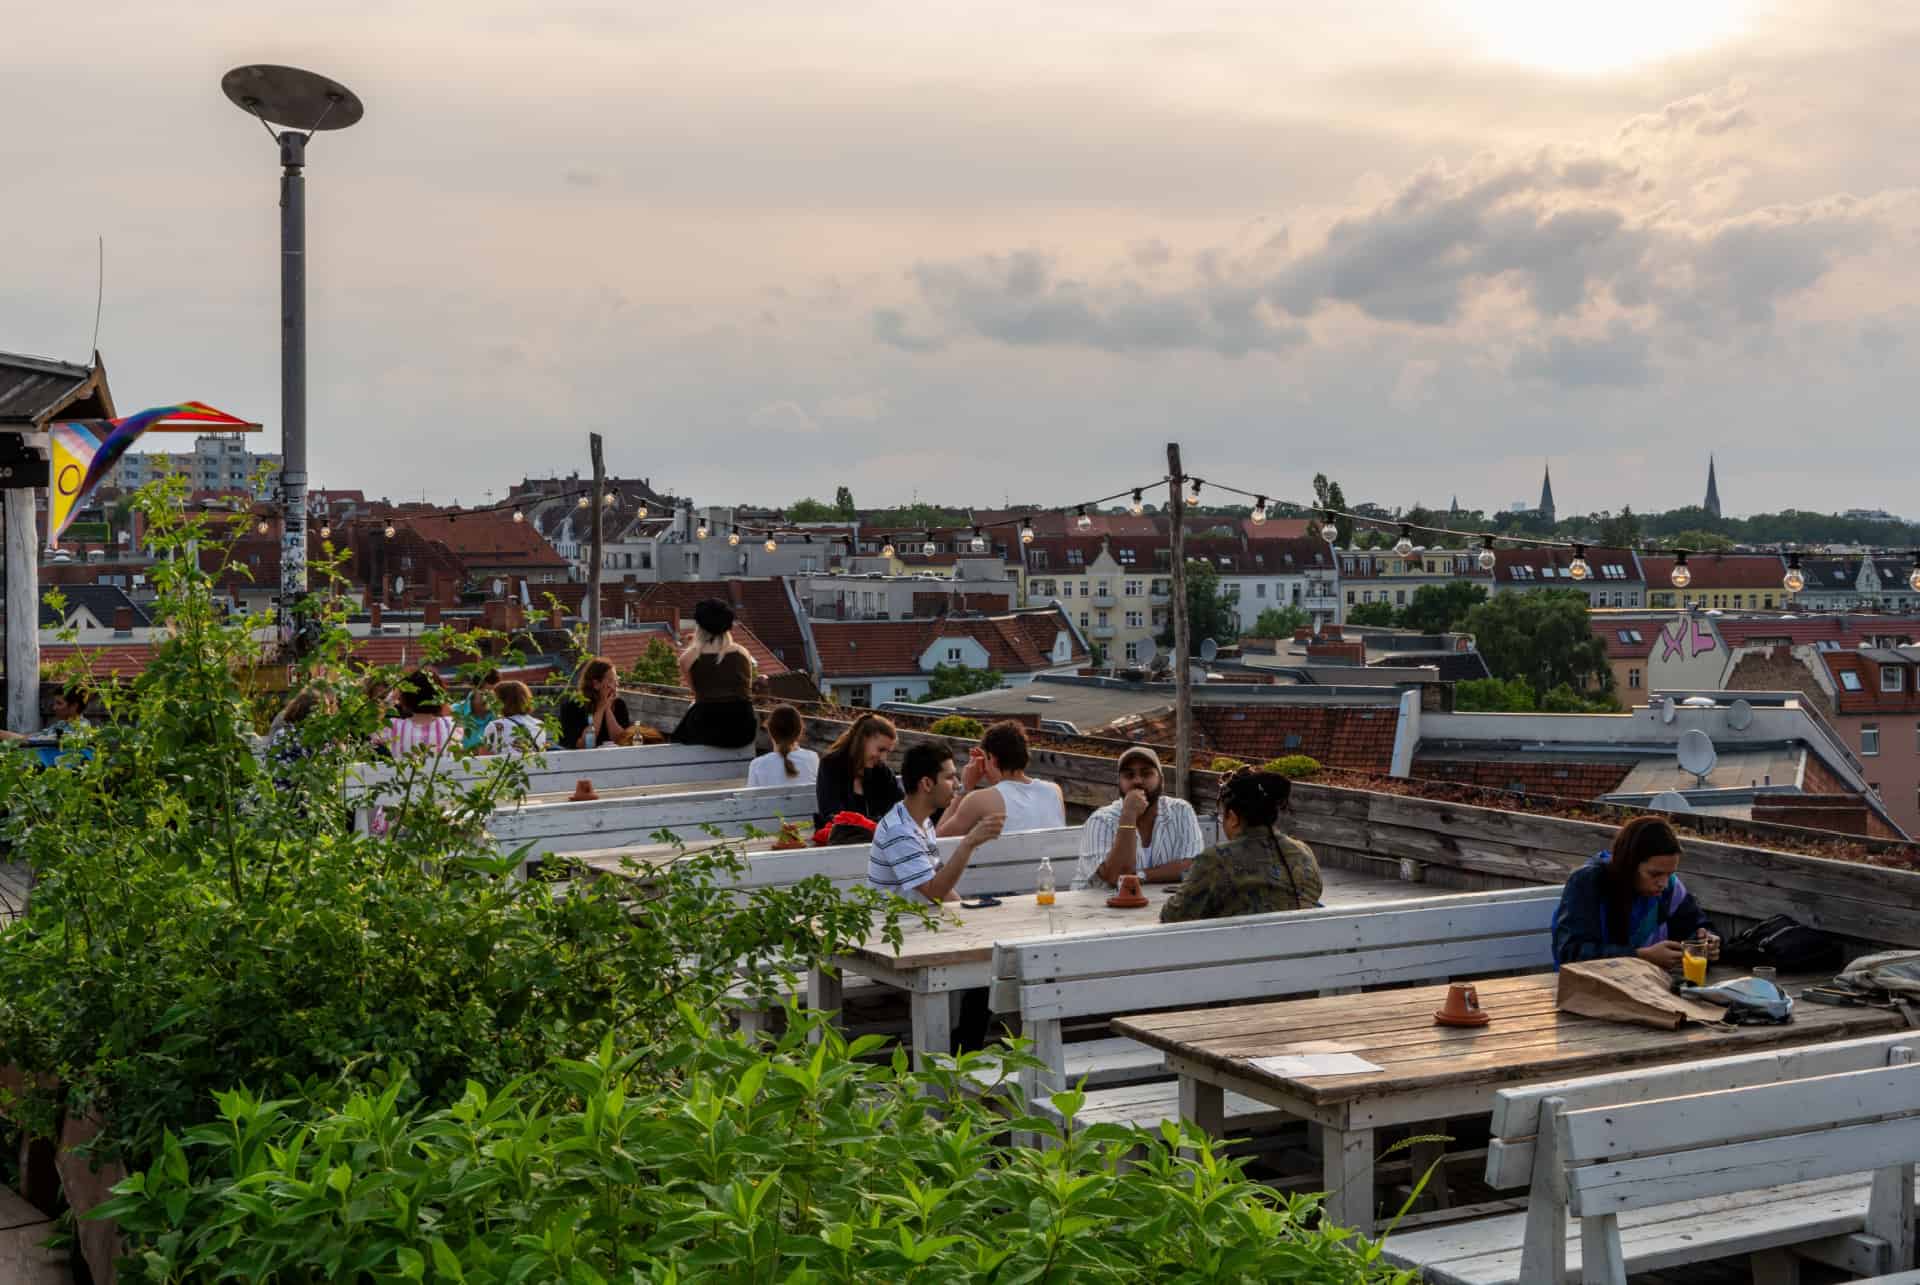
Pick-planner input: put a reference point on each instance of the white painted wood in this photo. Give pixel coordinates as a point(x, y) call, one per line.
point(1890, 1208)
point(825, 994)
point(614, 767)
point(1898, 1278)
point(1543, 1249)
point(558, 827)
point(1347, 1169)
point(1603, 1259)
point(1623, 1131)
point(932, 1013)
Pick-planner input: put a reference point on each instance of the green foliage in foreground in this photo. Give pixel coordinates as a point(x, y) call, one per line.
point(793, 1163)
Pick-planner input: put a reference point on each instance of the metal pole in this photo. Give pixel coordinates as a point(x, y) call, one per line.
point(293, 379)
point(1182, 643)
point(598, 537)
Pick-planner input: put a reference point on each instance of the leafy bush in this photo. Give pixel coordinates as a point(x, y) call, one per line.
point(1372, 613)
point(205, 916)
point(1494, 696)
point(798, 1163)
point(1293, 766)
point(957, 725)
point(1224, 764)
point(948, 681)
point(657, 664)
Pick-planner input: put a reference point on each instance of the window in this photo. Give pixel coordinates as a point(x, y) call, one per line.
point(1103, 588)
point(1083, 620)
point(902, 693)
point(1849, 680)
point(1869, 739)
point(1260, 589)
point(1633, 679)
point(1233, 593)
point(1125, 557)
point(1893, 678)
point(1136, 620)
point(1039, 557)
point(1366, 596)
point(953, 654)
point(1350, 597)
point(1075, 558)
point(1134, 589)
point(1133, 651)
point(1400, 597)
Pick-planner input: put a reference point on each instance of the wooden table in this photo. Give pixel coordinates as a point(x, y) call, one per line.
point(956, 952)
point(642, 791)
point(1431, 1072)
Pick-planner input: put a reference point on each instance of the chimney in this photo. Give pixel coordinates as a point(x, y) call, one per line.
point(373, 618)
point(432, 617)
point(123, 622)
point(1330, 631)
point(1302, 634)
point(556, 619)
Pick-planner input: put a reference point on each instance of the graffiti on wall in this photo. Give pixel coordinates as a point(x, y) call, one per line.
point(1681, 635)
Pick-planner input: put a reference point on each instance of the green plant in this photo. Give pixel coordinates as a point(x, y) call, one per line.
point(658, 664)
point(1293, 766)
point(1281, 622)
point(1542, 637)
point(1222, 763)
point(796, 1162)
point(205, 915)
point(948, 681)
point(1380, 614)
point(957, 725)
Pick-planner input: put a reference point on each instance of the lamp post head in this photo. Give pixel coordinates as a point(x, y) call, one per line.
point(300, 100)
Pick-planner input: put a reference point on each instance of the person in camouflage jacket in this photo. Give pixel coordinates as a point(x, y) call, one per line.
point(1256, 868)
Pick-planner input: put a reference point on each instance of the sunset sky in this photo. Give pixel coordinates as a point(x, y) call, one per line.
point(1003, 251)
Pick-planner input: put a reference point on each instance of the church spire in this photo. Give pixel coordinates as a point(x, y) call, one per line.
point(1546, 494)
point(1713, 490)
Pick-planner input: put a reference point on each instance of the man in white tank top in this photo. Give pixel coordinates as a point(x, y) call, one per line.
point(997, 784)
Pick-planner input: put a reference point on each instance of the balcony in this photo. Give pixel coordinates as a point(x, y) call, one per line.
point(1101, 632)
point(1106, 600)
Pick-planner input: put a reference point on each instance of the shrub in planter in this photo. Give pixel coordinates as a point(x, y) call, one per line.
point(795, 1162)
point(1224, 764)
point(957, 725)
point(1293, 766)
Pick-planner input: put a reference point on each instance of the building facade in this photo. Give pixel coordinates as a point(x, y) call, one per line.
point(217, 462)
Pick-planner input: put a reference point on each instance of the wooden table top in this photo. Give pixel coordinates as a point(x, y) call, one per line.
point(643, 791)
point(1528, 1038)
point(961, 936)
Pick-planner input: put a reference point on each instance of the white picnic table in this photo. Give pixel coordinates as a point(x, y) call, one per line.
point(955, 953)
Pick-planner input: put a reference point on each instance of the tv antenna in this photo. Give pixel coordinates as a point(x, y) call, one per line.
point(1671, 801)
point(1697, 755)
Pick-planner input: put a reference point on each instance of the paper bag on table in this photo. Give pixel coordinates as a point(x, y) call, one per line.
point(1628, 989)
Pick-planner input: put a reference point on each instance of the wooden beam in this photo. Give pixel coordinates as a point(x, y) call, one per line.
point(23, 613)
point(1182, 644)
point(598, 541)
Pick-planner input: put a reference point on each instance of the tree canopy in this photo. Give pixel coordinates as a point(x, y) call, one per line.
point(1210, 613)
point(1543, 638)
point(1371, 613)
point(1441, 608)
point(1280, 622)
point(810, 510)
point(958, 680)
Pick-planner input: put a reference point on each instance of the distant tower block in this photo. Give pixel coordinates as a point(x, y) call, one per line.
point(1713, 490)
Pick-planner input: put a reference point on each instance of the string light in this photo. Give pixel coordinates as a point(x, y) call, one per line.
point(326, 533)
point(1404, 545)
point(1193, 493)
point(1795, 580)
point(607, 498)
point(389, 531)
point(979, 542)
point(518, 516)
point(639, 510)
point(261, 526)
point(886, 550)
point(1084, 522)
point(772, 544)
point(1329, 529)
point(1487, 559)
point(1139, 506)
point(1913, 576)
point(700, 532)
point(1578, 568)
point(1681, 577)
point(1026, 530)
point(584, 502)
point(733, 538)
point(929, 548)
point(1260, 510)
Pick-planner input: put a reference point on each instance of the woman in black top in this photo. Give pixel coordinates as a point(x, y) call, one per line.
point(597, 708)
point(854, 776)
point(720, 673)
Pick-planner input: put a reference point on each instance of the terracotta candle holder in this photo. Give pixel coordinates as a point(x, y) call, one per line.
point(1462, 1007)
point(582, 791)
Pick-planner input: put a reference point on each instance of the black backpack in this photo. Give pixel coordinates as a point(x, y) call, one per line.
point(1786, 944)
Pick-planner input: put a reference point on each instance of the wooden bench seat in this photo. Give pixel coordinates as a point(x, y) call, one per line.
point(1809, 1149)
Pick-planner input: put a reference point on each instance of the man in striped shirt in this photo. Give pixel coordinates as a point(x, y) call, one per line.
point(905, 857)
point(1142, 832)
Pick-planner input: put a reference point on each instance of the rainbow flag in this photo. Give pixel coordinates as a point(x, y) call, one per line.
point(83, 451)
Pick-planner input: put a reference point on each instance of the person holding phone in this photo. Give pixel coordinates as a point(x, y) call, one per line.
point(1628, 900)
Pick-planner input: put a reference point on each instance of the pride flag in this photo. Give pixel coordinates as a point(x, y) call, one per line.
point(83, 451)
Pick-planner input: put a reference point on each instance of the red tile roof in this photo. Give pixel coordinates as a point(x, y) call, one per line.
point(1019, 642)
point(1608, 631)
point(1552, 776)
point(1869, 699)
point(1718, 571)
point(118, 660)
point(1358, 737)
point(487, 539)
point(1803, 630)
point(764, 606)
point(1509, 561)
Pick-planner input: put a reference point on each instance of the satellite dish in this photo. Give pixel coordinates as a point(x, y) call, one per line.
point(1698, 702)
point(1671, 801)
point(499, 587)
point(399, 584)
point(1740, 715)
point(1209, 649)
point(1144, 651)
point(1696, 754)
point(1667, 711)
point(1197, 674)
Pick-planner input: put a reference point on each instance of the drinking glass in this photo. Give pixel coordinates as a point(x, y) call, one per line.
point(1693, 964)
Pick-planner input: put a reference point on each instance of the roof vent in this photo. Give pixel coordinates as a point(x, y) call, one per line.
point(1038, 699)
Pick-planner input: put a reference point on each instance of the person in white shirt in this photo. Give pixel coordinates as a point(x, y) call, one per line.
point(516, 731)
point(905, 857)
point(996, 784)
point(787, 764)
point(1142, 832)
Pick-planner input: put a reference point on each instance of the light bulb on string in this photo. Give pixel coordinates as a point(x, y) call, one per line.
point(772, 544)
point(1259, 509)
point(326, 533)
point(1193, 490)
point(261, 526)
point(1084, 522)
point(1329, 529)
point(733, 539)
point(1139, 506)
point(1026, 533)
point(978, 543)
point(700, 532)
point(1487, 558)
point(518, 516)
point(1795, 580)
point(389, 531)
point(1680, 576)
point(639, 510)
point(1404, 545)
point(886, 550)
point(584, 503)
point(1913, 576)
point(607, 498)
point(1578, 568)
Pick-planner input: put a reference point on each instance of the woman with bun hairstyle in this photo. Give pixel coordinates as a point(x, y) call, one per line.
point(1255, 868)
point(788, 764)
point(720, 673)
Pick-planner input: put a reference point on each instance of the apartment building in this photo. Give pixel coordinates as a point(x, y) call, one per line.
point(217, 462)
point(1615, 577)
point(1381, 575)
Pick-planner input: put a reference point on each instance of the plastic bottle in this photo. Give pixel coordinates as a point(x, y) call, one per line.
point(1043, 882)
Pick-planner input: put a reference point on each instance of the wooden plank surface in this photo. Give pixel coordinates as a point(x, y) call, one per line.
point(1528, 1039)
point(15, 880)
point(644, 791)
point(967, 936)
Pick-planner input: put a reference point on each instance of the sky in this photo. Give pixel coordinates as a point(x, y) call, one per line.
point(1006, 252)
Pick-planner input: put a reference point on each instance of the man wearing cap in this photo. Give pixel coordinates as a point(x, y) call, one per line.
point(1142, 832)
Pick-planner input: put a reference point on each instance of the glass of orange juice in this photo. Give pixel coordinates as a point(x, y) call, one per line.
point(1693, 964)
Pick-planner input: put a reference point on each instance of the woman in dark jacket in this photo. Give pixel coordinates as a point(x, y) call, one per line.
point(1628, 900)
point(854, 776)
point(720, 673)
point(1255, 868)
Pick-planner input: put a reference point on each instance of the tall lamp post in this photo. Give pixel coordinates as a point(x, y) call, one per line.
point(301, 104)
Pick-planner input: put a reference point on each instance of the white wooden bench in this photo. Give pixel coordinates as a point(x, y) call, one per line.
point(1056, 980)
point(562, 827)
point(615, 767)
point(1809, 1149)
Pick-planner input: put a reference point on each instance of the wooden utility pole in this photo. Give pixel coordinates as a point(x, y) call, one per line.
point(1182, 643)
point(598, 539)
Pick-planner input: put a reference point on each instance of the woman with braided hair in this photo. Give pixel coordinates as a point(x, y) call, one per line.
point(1255, 868)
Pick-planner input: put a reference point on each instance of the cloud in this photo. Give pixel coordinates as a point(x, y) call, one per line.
point(890, 327)
point(783, 417)
point(1718, 111)
point(582, 178)
point(1618, 359)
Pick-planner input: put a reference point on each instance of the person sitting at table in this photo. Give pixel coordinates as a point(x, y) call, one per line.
point(516, 731)
point(422, 726)
point(69, 715)
point(1628, 900)
point(1255, 868)
point(720, 673)
point(854, 776)
point(905, 857)
point(476, 711)
point(1142, 832)
point(995, 783)
point(787, 763)
point(594, 716)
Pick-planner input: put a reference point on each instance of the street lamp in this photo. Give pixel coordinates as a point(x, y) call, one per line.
point(303, 103)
